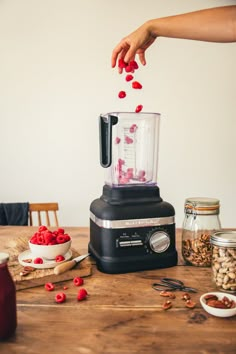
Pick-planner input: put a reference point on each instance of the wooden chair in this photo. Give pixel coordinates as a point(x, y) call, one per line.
point(43, 210)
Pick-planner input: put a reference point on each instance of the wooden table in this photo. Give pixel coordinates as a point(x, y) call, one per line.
point(122, 314)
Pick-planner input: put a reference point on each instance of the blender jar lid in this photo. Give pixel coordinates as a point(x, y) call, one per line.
point(224, 238)
point(201, 205)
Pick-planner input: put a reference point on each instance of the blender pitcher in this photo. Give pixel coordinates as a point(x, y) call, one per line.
point(129, 148)
point(131, 227)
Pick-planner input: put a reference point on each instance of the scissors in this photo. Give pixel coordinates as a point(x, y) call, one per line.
point(170, 284)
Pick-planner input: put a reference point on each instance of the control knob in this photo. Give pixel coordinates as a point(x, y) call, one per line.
point(159, 241)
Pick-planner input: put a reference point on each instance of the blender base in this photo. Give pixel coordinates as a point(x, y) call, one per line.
point(132, 263)
point(133, 233)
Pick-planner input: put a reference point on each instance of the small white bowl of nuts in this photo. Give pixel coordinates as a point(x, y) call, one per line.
point(219, 304)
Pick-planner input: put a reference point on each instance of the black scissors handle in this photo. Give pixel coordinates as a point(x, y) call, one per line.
point(172, 284)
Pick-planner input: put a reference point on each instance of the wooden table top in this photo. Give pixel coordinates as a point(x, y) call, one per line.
point(122, 314)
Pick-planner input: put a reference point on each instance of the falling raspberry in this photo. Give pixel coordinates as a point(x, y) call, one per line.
point(139, 108)
point(136, 85)
point(129, 77)
point(122, 94)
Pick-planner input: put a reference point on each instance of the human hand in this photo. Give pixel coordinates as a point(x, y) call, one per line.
point(135, 43)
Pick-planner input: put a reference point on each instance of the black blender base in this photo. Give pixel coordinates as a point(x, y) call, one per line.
point(117, 265)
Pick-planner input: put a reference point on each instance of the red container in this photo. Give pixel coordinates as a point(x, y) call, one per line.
point(8, 320)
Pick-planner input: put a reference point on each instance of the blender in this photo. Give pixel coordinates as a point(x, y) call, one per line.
point(131, 227)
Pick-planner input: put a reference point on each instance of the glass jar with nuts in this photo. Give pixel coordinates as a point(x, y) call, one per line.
point(224, 260)
point(200, 222)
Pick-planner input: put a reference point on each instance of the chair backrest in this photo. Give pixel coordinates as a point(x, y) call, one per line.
point(43, 209)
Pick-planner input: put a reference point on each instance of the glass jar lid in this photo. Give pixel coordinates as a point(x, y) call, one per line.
point(4, 257)
point(224, 238)
point(201, 206)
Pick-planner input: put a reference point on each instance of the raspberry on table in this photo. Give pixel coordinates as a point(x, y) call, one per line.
point(78, 281)
point(82, 294)
point(60, 297)
point(49, 286)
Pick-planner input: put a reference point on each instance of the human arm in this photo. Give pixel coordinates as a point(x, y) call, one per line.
point(211, 25)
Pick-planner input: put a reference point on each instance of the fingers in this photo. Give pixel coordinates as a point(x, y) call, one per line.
point(127, 50)
point(142, 58)
point(119, 51)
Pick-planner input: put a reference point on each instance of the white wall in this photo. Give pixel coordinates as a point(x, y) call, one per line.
point(55, 80)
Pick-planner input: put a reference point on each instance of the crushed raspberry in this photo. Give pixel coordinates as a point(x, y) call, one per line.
point(117, 140)
point(133, 128)
point(129, 174)
point(49, 286)
point(121, 162)
point(136, 85)
point(141, 174)
point(122, 94)
point(129, 77)
point(138, 108)
point(60, 297)
point(128, 140)
point(38, 260)
point(59, 258)
point(124, 180)
point(82, 294)
point(78, 281)
point(142, 179)
point(65, 287)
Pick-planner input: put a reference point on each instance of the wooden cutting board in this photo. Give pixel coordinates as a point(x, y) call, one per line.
point(40, 276)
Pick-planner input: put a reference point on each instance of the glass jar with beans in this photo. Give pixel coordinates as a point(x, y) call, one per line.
point(200, 222)
point(224, 260)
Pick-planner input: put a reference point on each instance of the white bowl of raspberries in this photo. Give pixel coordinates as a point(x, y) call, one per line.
point(49, 244)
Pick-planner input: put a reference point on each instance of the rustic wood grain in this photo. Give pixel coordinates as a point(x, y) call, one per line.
point(121, 315)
